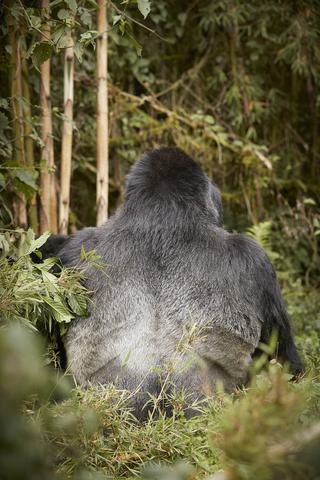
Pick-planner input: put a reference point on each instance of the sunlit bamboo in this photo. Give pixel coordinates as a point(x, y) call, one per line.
point(20, 204)
point(102, 115)
point(66, 148)
point(48, 196)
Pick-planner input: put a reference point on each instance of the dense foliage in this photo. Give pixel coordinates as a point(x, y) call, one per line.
point(31, 294)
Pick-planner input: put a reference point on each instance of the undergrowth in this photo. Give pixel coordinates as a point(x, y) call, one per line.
point(51, 430)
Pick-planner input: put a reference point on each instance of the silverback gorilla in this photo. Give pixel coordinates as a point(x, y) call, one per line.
point(170, 265)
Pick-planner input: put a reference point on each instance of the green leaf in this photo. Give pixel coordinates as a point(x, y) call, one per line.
point(88, 37)
point(4, 103)
point(29, 244)
point(144, 7)
point(41, 240)
point(27, 176)
point(64, 14)
point(209, 119)
point(309, 201)
point(62, 37)
point(78, 51)
point(78, 304)
point(4, 123)
point(72, 4)
point(49, 262)
point(2, 180)
point(136, 45)
point(55, 3)
point(41, 52)
point(59, 310)
point(35, 21)
point(86, 18)
point(116, 19)
point(49, 278)
point(65, 41)
point(4, 246)
point(182, 17)
point(57, 33)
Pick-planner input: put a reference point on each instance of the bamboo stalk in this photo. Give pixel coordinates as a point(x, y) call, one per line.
point(118, 180)
point(102, 115)
point(48, 196)
point(29, 151)
point(66, 147)
point(20, 204)
point(117, 171)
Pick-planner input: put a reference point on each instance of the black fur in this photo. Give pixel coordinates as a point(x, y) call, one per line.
point(169, 265)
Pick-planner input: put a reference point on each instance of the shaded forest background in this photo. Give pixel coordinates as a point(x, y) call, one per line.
point(236, 84)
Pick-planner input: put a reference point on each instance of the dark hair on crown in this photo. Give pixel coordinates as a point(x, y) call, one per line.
point(166, 173)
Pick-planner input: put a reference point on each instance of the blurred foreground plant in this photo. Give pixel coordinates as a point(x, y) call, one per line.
point(25, 385)
point(273, 431)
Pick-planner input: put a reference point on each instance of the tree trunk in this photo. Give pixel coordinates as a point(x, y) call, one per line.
point(19, 205)
point(66, 151)
point(102, 115)
point(48, 195)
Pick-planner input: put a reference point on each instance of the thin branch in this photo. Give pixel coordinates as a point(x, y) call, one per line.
point(124, 14)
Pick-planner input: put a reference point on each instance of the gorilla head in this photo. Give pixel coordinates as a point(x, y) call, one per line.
point(170, 266)
point(167, 177)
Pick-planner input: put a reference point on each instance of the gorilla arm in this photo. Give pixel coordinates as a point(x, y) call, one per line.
point(68, 247)
point(53, 245)
point(276, 319)
point(270, 304)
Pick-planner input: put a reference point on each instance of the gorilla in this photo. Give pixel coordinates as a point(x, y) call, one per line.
point(169, 265)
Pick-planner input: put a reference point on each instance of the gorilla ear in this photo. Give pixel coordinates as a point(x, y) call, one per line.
point(215, 198)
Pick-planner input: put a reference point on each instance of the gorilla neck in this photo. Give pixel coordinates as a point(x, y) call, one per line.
point(169, 215)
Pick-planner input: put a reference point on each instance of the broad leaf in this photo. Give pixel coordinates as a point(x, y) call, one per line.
point(72, 4)
point(29, 244)
point(41, 52)
point(78, 304)
point(27, 176)
point(144, 7)
point(59, 310)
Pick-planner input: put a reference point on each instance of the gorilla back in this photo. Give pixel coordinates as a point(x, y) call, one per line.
point(169, 265)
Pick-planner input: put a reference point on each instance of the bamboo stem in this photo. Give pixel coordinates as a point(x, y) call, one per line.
point(102, 115)
point(33, 216)
point(20, 204)
point(48, 196)
point(66, 148)
point(117, 171)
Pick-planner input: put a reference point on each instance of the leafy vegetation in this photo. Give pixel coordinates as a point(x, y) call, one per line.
point(31, 294)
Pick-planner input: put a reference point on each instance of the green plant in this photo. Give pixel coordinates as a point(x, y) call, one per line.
point(31, 294)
